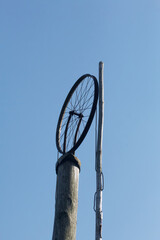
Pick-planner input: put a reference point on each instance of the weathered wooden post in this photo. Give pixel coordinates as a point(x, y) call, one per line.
point(67, 169)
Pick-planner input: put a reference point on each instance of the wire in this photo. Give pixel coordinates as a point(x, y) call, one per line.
point(95, 138)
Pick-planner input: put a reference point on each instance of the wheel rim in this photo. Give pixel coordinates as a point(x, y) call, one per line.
point(77, 114)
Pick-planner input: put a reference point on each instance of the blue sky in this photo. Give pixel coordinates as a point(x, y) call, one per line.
point(45, 46)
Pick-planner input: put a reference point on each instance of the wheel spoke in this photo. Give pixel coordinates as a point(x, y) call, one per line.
point(83, 95)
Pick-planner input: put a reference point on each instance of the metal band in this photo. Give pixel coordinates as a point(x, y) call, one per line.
point(68, 157)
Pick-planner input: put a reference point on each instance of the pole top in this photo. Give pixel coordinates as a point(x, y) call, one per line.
point(101, 64)
point(68, 157)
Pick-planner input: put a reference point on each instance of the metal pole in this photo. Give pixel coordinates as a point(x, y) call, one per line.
point(99, 174)
point(67, 169)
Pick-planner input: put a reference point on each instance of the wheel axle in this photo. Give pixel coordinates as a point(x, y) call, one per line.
point(80, 115)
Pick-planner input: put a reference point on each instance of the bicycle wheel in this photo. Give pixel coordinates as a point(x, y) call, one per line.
point(77, 114)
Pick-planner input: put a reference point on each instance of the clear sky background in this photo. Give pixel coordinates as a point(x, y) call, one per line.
point(45, 46)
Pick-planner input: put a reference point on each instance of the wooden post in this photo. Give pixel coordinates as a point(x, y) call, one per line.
point(99, 174)
point(66, 202)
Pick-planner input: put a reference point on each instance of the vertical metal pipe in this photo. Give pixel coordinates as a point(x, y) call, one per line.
point(99, 174)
